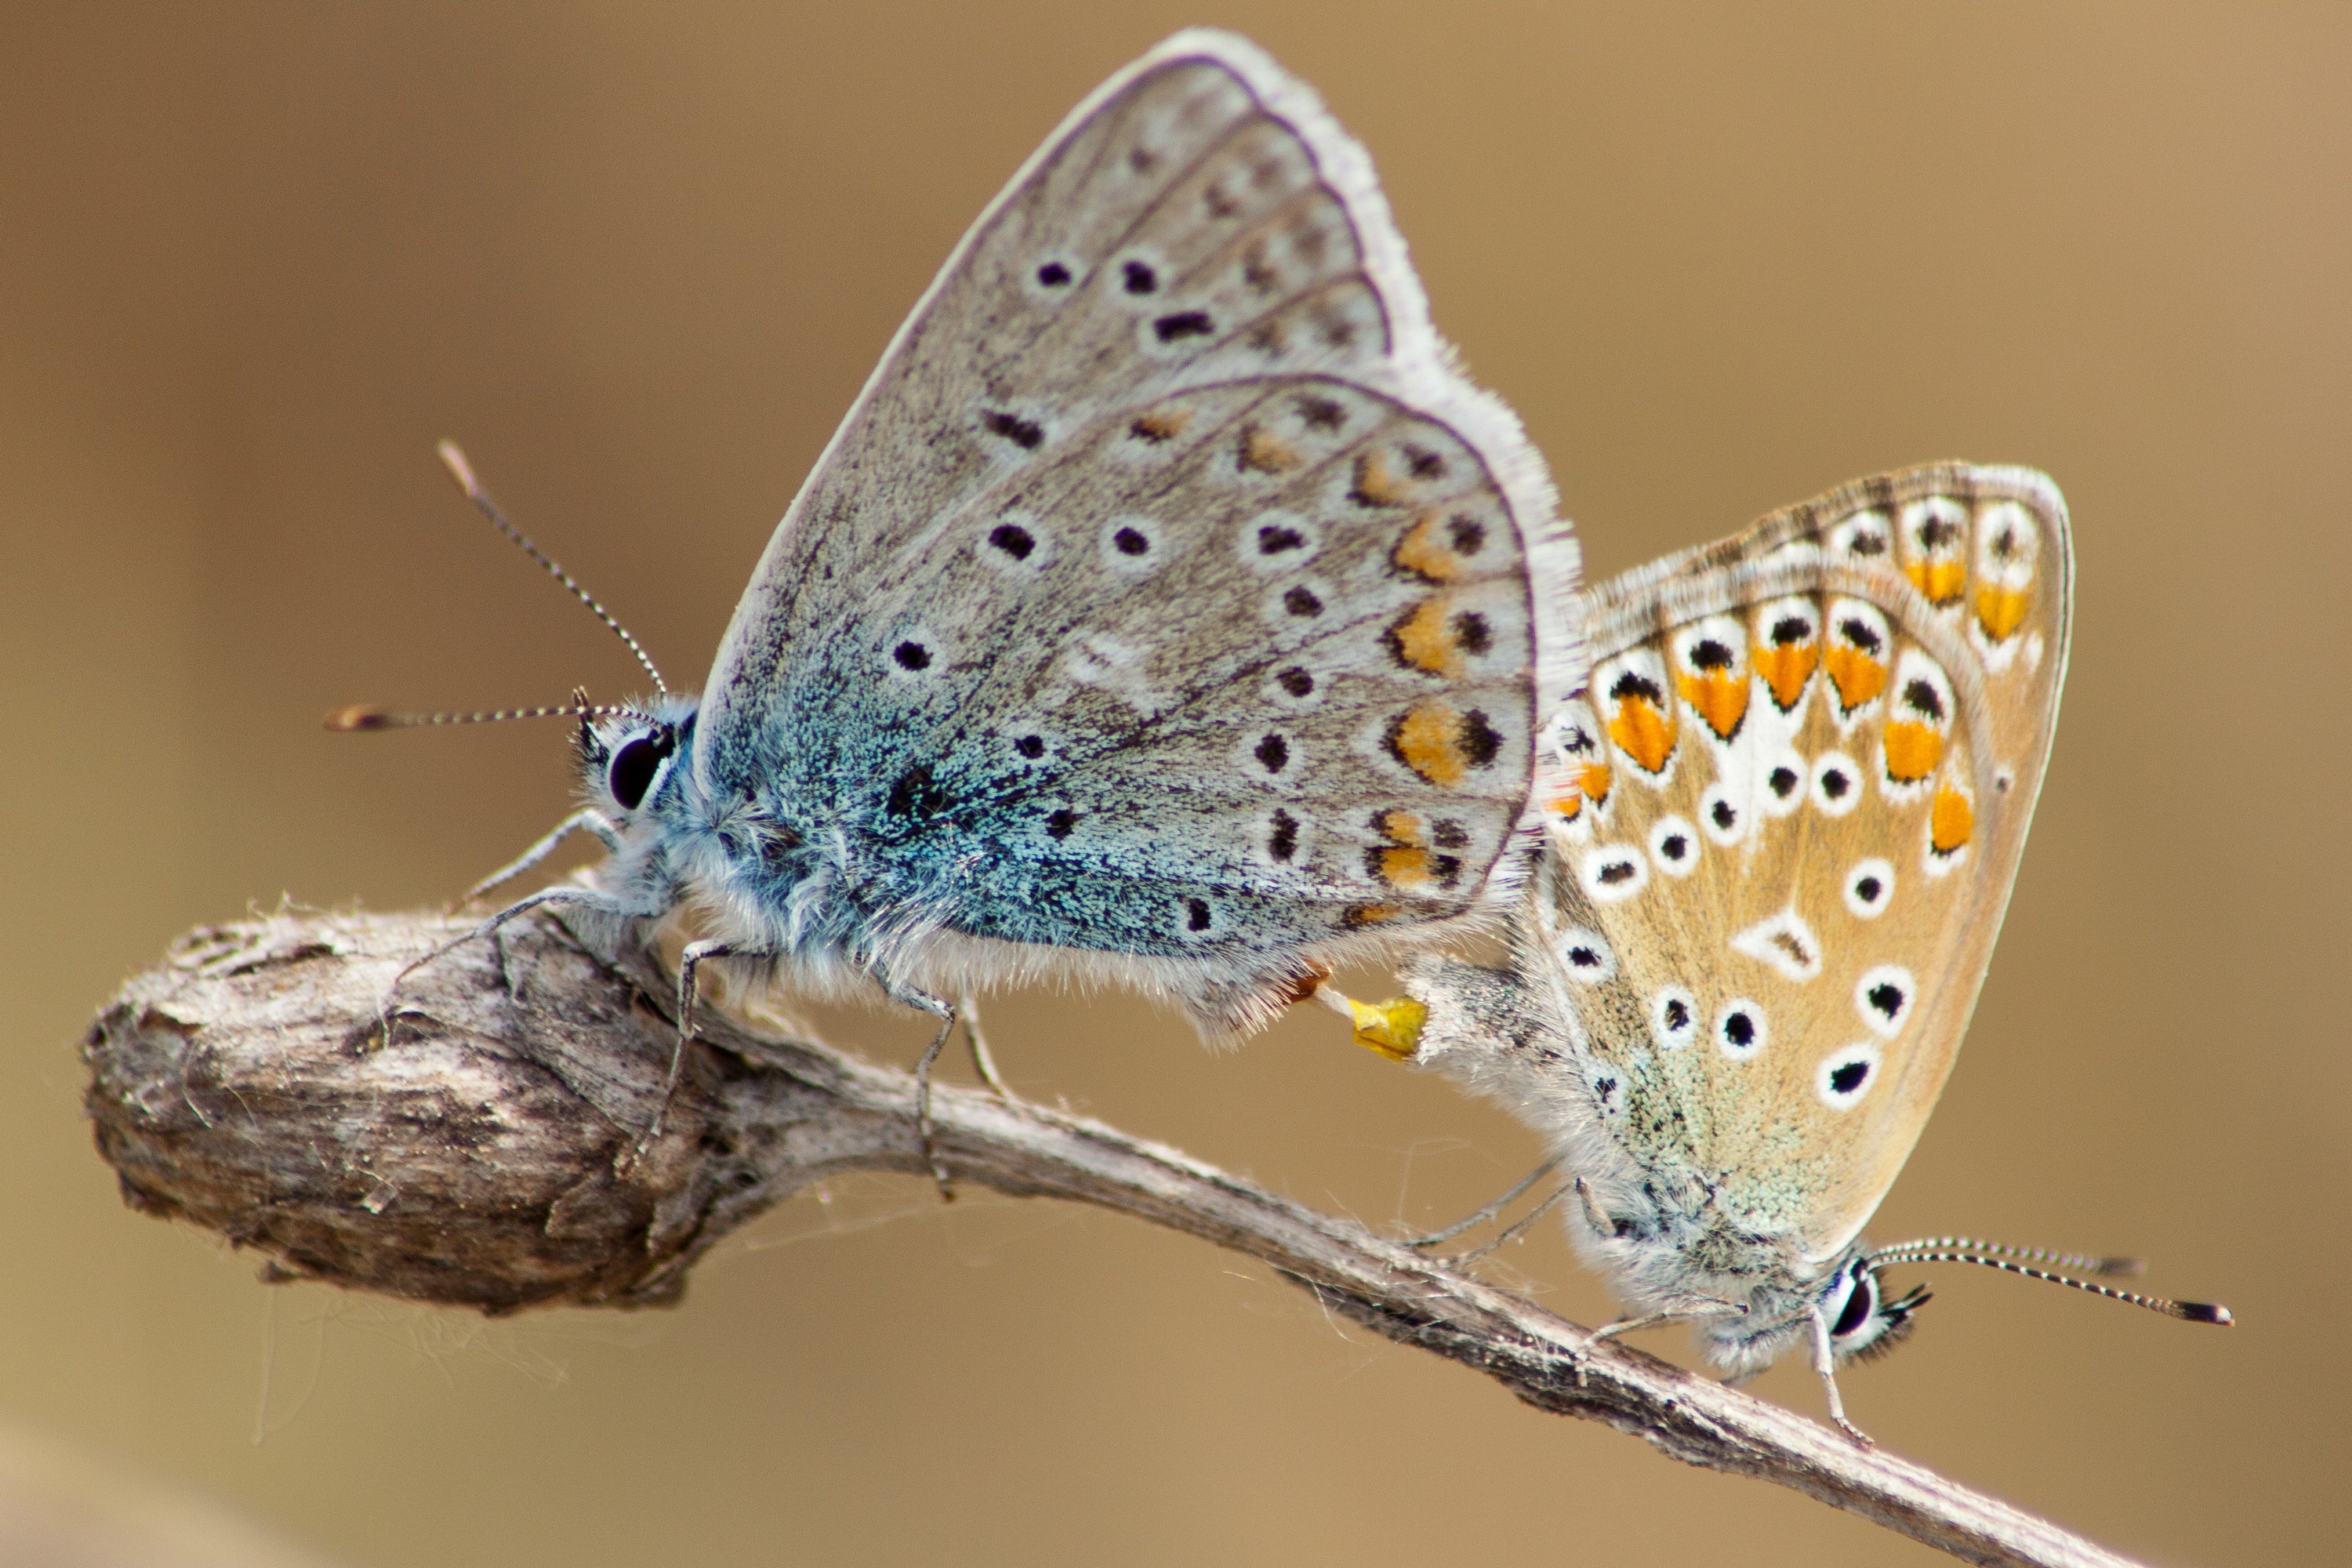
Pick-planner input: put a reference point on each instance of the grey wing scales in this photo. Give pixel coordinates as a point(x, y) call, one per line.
point(1166, 594)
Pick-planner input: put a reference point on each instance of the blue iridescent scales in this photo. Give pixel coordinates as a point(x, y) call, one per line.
point(1167, 610)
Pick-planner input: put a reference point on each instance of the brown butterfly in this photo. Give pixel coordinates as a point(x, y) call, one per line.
point(1791, 805)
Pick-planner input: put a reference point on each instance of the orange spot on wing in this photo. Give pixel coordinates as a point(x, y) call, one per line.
point(1859, 676)
point(1785, 668)
point(1911, 752)
point(1424, 638)
point(1406, 866)
point(1264, 452)
point(1592, 780)
point(1370, 915)
point(1646, 735)
point(1375, 485)
point(1951, 821)
point(1161, 425)
point(1940, 580)
point(2000, 611)
point(1428, 740)
point(1721, 700)
point(1402, 827)
point(1567, 807)
point(1426, 551)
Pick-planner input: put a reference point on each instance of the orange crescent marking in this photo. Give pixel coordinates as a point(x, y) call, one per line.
point(1646, 734)
point(1593, 780)
point(1951, 821)
point(1859, 676)
point(1425, 640)
point(1912, 752)
point(1429, 740)
point(1721, 700)
point(1407, 867)
point(1940, 580)
point(1425, 551)
point(2000, 611)
point(1375, 486)
point(1785, 668)
point(1266, 452)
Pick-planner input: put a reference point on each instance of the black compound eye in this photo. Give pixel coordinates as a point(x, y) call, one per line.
point(633, 767)
point(1861, 1301)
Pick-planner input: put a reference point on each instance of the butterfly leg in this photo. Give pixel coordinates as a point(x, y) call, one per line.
point(923, 1001)
point(981, 1062)
point(1685, 1310)
point(1824, 1363)
point(587, 819)
point(575, 898)
point(1494, 1208)
point(690, 960)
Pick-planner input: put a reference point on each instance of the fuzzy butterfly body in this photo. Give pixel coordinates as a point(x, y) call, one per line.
point(1168, 608)
point(1789, 814)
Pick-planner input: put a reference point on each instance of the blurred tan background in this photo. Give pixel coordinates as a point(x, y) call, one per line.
point(254, 259)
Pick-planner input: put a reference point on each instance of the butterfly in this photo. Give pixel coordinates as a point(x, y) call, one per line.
point(1167, 609)
point(1786, 819)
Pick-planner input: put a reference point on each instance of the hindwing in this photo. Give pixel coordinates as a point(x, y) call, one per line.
point(1790, 814)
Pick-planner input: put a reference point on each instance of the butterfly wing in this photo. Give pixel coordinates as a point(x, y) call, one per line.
point(1802, 778)
point(1166, 594)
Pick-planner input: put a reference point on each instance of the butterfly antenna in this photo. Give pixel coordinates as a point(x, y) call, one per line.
point(2187, 1311)
point(463, 472)
point(2089, 1263)
point(363, 716)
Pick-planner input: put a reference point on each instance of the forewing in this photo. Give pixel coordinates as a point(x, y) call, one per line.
point(1166, 592)
point(1796, 795)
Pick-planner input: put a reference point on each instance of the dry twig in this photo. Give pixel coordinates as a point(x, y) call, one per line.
point(486, 1160)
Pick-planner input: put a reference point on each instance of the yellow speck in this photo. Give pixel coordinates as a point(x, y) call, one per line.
point(1392, 1027)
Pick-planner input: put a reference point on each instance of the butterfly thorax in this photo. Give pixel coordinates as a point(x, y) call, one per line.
point(757, 878)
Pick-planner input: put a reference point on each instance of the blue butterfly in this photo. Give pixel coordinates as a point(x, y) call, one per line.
point(1167, 609)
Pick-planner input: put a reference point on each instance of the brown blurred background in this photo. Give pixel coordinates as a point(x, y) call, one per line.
point(254, 259)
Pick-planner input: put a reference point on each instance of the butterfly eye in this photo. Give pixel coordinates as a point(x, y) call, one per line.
point(1861, 1303)
point(635, 765)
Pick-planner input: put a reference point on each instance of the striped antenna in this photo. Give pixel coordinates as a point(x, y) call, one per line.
point(1931, 1252)
point(2112, 1267)
point(363, 716)
point(463, 472)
